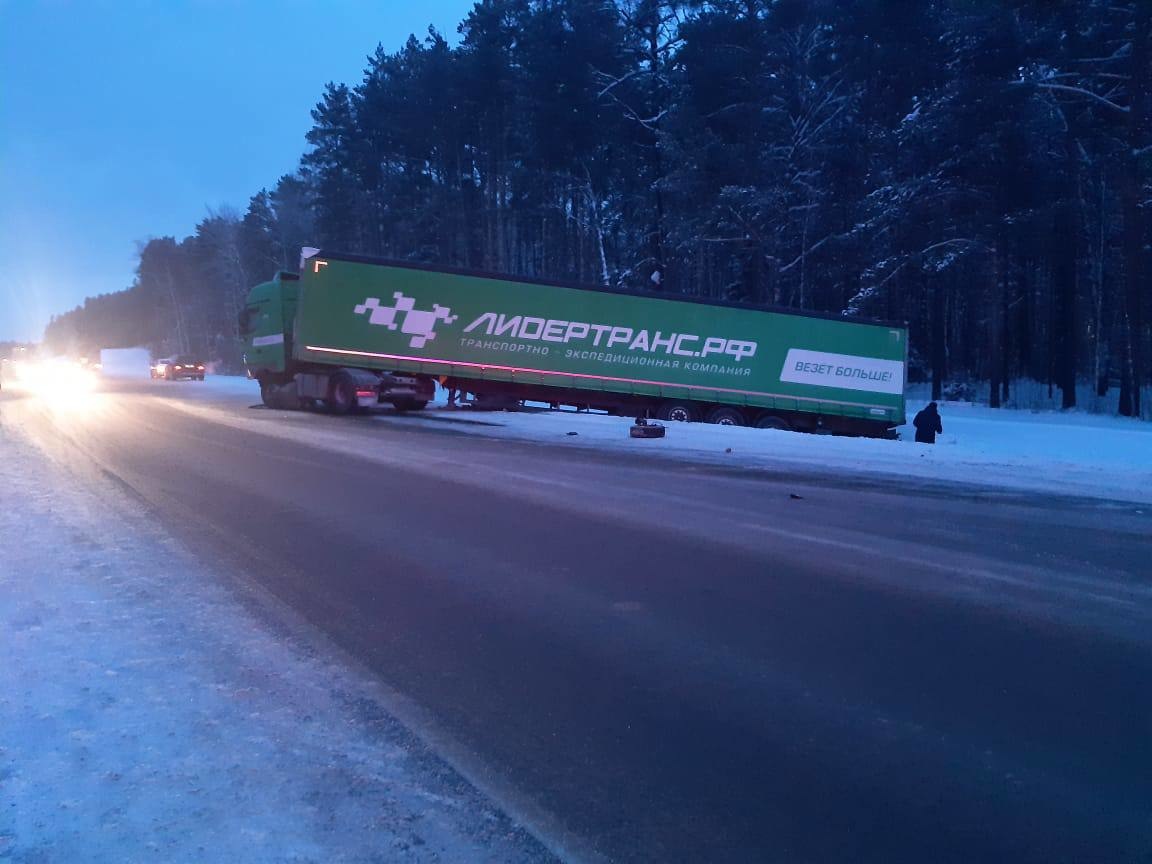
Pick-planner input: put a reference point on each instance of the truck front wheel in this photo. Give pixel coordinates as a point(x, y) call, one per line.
point(341, 394)
point(273, 396)
point(268, 393)
point(677, 412)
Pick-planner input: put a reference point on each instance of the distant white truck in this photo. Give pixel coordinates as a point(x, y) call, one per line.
point(125, 362)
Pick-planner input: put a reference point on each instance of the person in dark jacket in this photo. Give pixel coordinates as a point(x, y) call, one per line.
point(927, 423)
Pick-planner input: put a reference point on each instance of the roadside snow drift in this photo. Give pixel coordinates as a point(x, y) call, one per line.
point(1065, 453)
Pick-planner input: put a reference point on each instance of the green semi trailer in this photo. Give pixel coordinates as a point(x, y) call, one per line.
point(351, 332)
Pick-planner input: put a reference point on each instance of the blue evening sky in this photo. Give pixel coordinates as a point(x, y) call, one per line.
point(122, 120)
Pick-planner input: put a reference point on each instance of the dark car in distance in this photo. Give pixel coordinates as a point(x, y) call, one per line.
point(175, 368)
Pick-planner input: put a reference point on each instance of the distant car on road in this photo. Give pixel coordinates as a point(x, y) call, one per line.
point(175, 368)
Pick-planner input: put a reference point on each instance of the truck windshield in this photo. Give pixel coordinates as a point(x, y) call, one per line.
point(245, 318)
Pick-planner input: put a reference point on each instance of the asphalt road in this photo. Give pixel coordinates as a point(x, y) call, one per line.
point(653, 661)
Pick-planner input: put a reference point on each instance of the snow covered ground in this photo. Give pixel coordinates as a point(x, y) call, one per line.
point(1066, 453)
point(147, 716)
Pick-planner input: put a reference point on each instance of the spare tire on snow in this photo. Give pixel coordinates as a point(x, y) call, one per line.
point(643, 429)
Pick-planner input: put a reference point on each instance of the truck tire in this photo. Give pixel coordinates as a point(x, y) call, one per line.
point(647, 430)
point(273, 397)
point(341, 394)
point(267, 393)
point(725, 416)
point(771, 421)
point(677, 412)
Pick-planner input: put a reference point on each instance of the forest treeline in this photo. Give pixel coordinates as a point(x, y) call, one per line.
point(981, 169)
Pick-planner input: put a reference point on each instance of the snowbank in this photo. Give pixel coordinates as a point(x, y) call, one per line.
point(1066, 453)
point(1070, 454)
point(1028, 395)
point(147, 717)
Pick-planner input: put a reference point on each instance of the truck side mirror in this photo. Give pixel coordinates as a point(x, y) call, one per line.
point(244, 319)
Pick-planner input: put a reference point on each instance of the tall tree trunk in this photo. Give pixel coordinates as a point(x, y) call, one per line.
point(1099, 369)
point(177, 312)
point(492, 213)
point(1066, 267)
point(1023, 318)
point(657, 98)
point(938, 338)
point(1005, 358)
point(597, 229)
point(995, 331)
point(1133, 217)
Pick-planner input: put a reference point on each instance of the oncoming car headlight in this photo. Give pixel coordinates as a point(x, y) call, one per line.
point(55, 379)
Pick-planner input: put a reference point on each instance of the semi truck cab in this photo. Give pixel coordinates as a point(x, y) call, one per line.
point(267, 323)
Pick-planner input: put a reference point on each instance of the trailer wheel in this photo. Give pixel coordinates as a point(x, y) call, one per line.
point(677, 412)
point(726, 417)
point(341, 394)
point(771, 421)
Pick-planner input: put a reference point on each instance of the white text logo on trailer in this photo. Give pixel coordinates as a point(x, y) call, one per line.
point(420, 324)
point(846, 371)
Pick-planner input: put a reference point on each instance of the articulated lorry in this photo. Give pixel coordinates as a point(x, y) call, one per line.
point(351, 332)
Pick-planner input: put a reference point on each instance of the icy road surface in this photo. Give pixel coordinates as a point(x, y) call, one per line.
point(663, 651)
point(147, 716)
